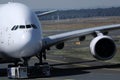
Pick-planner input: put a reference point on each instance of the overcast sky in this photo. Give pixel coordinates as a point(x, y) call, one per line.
point(67, 4)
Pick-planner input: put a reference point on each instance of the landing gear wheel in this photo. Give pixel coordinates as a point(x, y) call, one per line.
point(25, 61)
point(46, 69)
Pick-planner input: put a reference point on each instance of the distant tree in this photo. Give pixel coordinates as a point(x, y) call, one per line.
point(82, 13)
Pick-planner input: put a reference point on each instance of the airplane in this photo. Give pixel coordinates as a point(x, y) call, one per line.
point(21, 36)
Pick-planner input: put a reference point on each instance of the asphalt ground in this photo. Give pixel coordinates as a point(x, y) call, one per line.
point(67, 68)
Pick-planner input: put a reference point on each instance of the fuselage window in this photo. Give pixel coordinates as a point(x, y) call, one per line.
point(34, 26)
point(22, 26)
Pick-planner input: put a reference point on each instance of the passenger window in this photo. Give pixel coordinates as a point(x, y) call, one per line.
point(34, 26)
point(22, 26)
point(28, 26)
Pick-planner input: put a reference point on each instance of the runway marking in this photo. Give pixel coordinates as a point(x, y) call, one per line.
point(112, 69)
point(69, 79)
point(58, 61)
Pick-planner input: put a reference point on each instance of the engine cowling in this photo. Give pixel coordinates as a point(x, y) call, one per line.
point(103, 47)
point(60, 45)
point(82, 38)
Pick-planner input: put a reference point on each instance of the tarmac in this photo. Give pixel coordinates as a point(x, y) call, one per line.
point(67, 68)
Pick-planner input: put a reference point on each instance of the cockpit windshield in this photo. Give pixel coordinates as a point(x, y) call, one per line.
point(24, 27)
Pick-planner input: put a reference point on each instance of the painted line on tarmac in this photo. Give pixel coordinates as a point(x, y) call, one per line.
point(69, 79)
point(58, 61)
point(112, 69)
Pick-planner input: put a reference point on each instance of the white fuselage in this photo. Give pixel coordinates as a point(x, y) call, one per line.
point(20, 31)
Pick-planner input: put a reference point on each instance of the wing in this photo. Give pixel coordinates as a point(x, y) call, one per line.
point(55, 39)
point(46, 13)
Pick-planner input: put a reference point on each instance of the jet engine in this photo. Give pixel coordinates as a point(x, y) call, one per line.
point(60, 45)
point(103, 47)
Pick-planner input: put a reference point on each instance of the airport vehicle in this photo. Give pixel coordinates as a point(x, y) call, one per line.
point(21, 37)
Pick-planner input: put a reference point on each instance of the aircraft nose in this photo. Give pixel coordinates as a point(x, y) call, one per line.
point(30, 44)
point(17, 49)
point(25, 45)
point(25, 38)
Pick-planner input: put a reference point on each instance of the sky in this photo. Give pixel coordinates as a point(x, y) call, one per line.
point(67, 4)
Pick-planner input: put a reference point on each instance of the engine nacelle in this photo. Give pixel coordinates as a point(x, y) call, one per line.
point(82, 38)
point(60, 45)
point(103, 47)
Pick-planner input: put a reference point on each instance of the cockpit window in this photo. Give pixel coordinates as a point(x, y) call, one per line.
point(34, 26)
point(24, 27)
point(28, 26)
point(14, 27)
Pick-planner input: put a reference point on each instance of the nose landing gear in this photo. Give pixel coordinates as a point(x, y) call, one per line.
point(23, 70)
